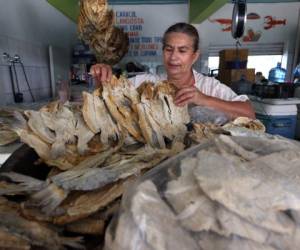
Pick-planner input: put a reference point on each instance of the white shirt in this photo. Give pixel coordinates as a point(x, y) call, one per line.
point(207, 85)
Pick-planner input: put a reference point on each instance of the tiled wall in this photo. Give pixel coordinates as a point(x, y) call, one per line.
point(36, 61)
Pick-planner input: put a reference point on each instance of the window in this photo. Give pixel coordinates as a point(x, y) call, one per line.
point(262, 63)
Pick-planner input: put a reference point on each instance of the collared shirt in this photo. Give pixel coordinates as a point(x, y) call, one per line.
point(207, 85)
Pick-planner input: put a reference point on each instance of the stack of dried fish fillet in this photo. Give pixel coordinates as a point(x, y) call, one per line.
point(93, 149)
point(96, 28)
point(226, 193)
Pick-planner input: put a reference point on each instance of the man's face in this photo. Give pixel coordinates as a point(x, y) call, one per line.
point(178, 54)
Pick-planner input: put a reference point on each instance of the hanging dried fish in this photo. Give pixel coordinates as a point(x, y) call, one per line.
point(96, 27)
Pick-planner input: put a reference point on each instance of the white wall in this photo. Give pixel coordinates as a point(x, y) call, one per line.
point(153, 21)
point(211, 33)
point(27, 28)
point(157, 18)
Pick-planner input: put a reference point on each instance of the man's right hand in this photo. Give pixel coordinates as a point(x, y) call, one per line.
point(101, 73)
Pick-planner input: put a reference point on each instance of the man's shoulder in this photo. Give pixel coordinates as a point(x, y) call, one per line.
point(201, 79)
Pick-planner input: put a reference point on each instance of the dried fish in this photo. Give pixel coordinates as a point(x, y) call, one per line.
point(159, 117)
point(89, 203)
point(239, 200)
point(94, 178)
point(121, 98)
point(156, 221)
point(87, 226)
point(96, 28)
point(48, 198)
point(7, 136)
point(210, 241)
point(10, 241)
point(97, 117)
point(84, 135)
point(36, 233)
point(23, 184)
point(37, 125)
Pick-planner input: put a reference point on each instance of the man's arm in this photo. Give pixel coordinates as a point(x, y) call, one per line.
point(232, 108)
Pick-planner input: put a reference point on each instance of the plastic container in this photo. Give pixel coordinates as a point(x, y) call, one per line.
point(278, 119)
point(296, 74)
point(277, 74)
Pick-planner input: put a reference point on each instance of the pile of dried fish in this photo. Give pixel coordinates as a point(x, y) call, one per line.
point(96, 28)
point(70, 135)
point(94, 149)
point(226, 193)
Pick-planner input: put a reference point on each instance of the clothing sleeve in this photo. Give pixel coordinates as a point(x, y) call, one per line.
point(212, 87)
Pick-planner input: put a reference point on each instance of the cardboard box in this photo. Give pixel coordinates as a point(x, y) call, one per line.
point(228, 76)
point(230, 55)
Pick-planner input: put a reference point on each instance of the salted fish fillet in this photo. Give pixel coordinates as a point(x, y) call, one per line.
point(19, 125)
point(89, 203)
point(121, 99)
point(197, 212)
point(65, 129)
point(22, 184)
point(150, 129)
point(11, 241)
point(98, 118)
point(159, 117)
point(83, 133)
point(42, 148)
point(37, 234)
point(125, 229)
point(49, 198)
point(210, 241)
point(218, 177)
point(194, 210)
point(156, 221)
point(38, 126)
point(90, 179)
point(174, 117)
point(93, 178)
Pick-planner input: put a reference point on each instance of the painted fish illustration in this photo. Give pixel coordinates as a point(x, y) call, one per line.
point(253, 16)
point(224, 22)
point(270, 22)
point(252, 36)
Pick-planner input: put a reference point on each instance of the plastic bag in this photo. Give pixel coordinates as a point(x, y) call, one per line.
point(226, 193)
point(207, 115)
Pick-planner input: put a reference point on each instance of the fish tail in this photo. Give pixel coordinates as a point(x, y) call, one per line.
point(15, 122)
point(49, 198)
point(73, 242)
point(25, 184)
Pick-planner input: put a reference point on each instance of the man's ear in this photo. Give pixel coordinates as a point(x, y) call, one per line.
point(196, 55)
